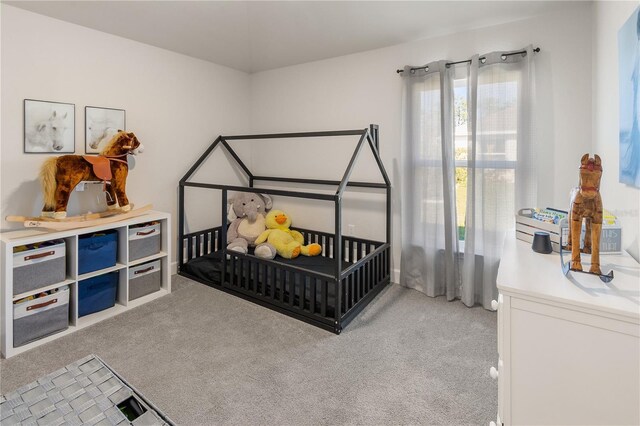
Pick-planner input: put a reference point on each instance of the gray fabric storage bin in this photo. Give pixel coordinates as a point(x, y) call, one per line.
point(36, 268)
point(144, 241)
point(145, 279)
point(40, 317)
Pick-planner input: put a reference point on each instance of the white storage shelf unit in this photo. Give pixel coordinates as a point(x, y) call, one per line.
point(23, 237)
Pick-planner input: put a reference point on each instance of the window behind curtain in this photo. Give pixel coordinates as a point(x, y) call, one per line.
point(497, 135)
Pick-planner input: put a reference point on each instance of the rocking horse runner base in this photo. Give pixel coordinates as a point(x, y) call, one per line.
point(566, 267)
point(81, 221)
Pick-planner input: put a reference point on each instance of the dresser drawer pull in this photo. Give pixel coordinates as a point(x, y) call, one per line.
point(493, 372)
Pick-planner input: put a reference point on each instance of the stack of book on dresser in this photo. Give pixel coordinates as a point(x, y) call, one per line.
point(556, 223)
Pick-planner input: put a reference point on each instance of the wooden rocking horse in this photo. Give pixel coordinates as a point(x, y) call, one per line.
point(586, 204)
point(60, 175)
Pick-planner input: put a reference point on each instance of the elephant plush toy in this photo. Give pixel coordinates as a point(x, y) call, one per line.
point(246, 215)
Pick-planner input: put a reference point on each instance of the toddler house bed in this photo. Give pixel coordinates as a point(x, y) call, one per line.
point(327, 290)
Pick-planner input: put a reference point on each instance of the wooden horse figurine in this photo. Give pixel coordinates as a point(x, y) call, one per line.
point(586, 203)
point(60, 175)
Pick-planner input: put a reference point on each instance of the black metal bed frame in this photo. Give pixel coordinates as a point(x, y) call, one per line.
point(283, 287)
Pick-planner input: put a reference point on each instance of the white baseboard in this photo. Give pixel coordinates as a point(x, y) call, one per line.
point(174, 268)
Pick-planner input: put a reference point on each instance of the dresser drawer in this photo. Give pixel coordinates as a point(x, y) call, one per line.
point(502, 306)
point(574, 314)
point(500, 324)
point(498, 373)
point(502, 375)
point(582, 367)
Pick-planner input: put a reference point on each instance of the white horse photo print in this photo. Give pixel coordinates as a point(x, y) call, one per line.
point(101, 124)
point(49, 126)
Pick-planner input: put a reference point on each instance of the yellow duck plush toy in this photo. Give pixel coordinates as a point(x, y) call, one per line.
point(288, 243)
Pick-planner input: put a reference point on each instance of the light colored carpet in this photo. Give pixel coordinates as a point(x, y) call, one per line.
point(205, 357)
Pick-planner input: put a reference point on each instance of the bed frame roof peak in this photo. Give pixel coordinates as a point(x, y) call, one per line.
point(368, 136)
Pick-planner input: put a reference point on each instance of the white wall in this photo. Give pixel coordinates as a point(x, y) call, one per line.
point(621, 199)
point(354, 90)
point(175, 104)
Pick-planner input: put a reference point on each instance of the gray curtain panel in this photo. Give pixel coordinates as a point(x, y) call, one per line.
point(429, 261)
point(492, 143)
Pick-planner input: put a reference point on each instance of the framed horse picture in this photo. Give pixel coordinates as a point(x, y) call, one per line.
point(49, 127)
point(101, 124)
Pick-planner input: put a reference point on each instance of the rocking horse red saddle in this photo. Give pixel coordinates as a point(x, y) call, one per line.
point(101, 166)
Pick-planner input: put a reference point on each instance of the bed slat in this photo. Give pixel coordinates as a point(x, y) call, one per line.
point(323, 298)
point(232, 272)
point(352, 287)
point(369, 277)
point(302, 289)
point(345, 294)
point(312, 294)
point(256, 278)
point(247, 276)
point(279, 278)
point(288, 285)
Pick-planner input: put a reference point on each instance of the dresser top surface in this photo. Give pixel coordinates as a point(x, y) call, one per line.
point(525, 272)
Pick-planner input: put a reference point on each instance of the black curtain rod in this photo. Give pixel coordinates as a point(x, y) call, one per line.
point(468, 61)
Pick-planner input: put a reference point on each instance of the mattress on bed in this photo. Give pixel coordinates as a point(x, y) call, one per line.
point(209, 269)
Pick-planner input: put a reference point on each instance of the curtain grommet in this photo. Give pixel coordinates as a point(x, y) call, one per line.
point(503, 57)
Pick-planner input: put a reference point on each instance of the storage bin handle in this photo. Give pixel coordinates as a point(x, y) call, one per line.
point(41, 305)
point(142, 271)
point(39, 255)
point(146, 233)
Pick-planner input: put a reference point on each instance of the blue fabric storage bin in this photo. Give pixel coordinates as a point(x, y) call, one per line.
point(97, 251)
point(97, 293)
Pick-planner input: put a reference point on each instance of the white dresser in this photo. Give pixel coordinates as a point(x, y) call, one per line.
point(569, 348)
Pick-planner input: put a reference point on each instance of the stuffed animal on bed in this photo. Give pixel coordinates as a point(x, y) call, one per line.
point(288, 243)
point(246, 215)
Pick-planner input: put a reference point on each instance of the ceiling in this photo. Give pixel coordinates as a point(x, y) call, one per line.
point(255, 36)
